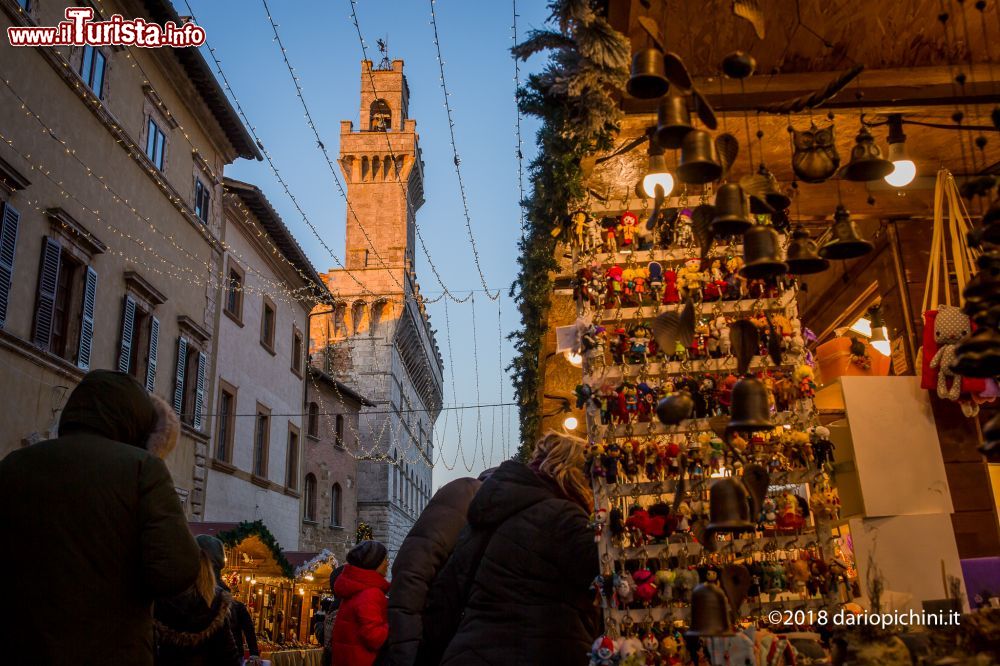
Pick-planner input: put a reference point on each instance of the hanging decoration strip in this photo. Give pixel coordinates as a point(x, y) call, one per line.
point(519, 148)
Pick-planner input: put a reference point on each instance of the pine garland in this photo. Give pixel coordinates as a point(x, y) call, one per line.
point(575, 97)
point(257, 528)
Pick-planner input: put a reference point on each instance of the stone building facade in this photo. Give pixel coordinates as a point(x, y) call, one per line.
point(330, 485)
point(377, 337)
point(258, 439)
point(111, 166)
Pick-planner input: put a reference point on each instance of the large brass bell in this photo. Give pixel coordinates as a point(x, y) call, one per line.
point(731, 218)
point(709, 612)
point(762, 254)
point(750, 410)
point(802, 255)
point(867, 162)
point(775, 198)
point(729, 507)
point(699, 163)
point(845, 243)
point(649, 78)
point(673, 121)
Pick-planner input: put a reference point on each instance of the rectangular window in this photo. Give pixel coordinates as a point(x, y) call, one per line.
point(234, 292)
point(140, 344)
point(202, 199)
point(92, 67)
point(155, 144)
point(9, 219)
point(227, 424)
point(267, 325)
point(292, 459)
point(297, 351)
point(261, 440)
point(189, 392)
point(339, 433)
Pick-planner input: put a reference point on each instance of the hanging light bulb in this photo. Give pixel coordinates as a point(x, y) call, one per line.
point(904, 170)
point(880, 335)
point(570, 423)
point(575, 358)
point(657, 174)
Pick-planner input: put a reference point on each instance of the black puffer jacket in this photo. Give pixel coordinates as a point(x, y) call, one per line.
point(529, 601)
point(423, 554)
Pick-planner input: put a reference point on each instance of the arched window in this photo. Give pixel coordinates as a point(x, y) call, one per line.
point(375, 317)
point(336, 511)
point(379, 117)
point(339, 432)
point(339, 316)
point(312, 428)
point(357, 316)
point(310, 498)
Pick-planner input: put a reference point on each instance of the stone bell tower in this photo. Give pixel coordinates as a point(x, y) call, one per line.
point(375, 337)
point(382, 165)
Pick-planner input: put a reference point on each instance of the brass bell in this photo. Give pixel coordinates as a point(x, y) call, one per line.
point(762, 253)
point(738, 65)
point(775, 198)
point(731, 218)
point(699, 163)
point(729, 507)
point(866, 162)
point(749, 409)
point(649, 78)
point(802, 255)
point(674, 408)
point(845, 243)
point(709, 612)
point(756, 187)
point(673, 121)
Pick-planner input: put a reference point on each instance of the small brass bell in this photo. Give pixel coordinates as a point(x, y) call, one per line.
point(775, 198)
point(750, 409)
point(845, 243)
point(673, 121)
point(756, 187)
point(699, 164)
point(802, 255)
point(762, 254)
point(674, 408)
point(649, 78)
point(866, 162)
point(729, 507)
point(709, 612)
point(731, 218)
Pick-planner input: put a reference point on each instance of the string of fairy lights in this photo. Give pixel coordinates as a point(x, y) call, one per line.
point(519, 147)
point(454, 151)
point(193, 276)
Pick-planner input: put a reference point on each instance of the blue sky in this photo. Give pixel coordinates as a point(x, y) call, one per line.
point(323, 47)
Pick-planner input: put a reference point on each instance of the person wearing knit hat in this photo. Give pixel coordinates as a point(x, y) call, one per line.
point(362, 623)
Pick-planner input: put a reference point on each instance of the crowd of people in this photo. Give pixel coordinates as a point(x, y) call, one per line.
point(496, 570)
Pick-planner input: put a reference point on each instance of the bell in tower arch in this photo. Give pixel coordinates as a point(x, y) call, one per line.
point(380, 116)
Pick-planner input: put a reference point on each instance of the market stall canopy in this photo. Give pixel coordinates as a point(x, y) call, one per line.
point(255, 546)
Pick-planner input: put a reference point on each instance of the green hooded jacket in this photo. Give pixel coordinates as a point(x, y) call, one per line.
point(92, 531)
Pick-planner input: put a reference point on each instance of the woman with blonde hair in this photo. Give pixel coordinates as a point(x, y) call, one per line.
point(516, 588)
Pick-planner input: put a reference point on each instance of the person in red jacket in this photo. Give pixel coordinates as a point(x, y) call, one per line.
point(362, 623)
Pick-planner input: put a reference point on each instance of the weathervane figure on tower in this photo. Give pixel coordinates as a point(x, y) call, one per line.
point(383, 48)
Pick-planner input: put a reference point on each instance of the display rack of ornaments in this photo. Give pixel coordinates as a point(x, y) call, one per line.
point(713, 498)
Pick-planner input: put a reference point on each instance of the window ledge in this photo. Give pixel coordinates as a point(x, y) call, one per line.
point(292, 492)
point(232, 315)
point(259, 481)
point(297, 372)
point(306, 521)
point(339, 528)
point(189, 430)
point(41, 357)
point(269, 348)
point(314, 438)
point(223, 466)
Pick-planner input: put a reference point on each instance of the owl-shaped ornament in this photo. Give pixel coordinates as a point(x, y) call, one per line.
point(815, 158)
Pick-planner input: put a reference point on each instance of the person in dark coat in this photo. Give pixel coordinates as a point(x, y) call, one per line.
point(421, 556)
point(362, 623)
point(193, 628)
point(240, 621)
point(331, 617)
point(518, 583)
point(100, 528)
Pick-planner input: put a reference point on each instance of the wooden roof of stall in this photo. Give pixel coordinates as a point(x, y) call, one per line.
point(910, 66)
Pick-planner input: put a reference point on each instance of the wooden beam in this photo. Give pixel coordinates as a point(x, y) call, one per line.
point(885, 90)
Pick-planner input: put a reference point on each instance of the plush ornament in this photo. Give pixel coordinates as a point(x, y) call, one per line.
point(665, 582)
point(581, 286)
point(654, 466)
point(684, 583)
point(735, 283)
point(798, 575)
point(628, 224)
point(670, 459)
point(805, 381)
point(650, 648)
point(598, 520)
point(616, 525)
point(616, 284)
point(645, 586)
point(821, 445)
point(671, 292)
point(597, 587)
point(580, 224)
point(631, 652)
point(637, 524)
point(690, 279)
point(684, 517)
point(612, 461)
point(610, 227)
point(604, 652)
point(789, 513)
point(640, 280)
point(639, 343)
point(670, 650)
point(950, 326)
point(624, 590)
point(769, 512)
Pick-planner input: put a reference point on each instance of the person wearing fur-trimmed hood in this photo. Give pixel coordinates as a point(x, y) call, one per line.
point(194, 628)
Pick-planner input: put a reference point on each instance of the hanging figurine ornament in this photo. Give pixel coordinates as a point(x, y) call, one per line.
point(815, 157)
